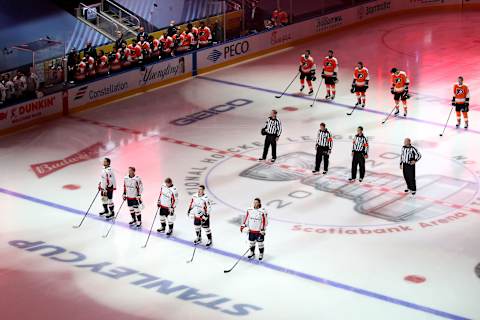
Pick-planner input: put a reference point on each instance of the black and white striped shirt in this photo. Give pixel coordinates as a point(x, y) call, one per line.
point(360, 144)
point(273, 126)
point(409, 153)
point(324, 139)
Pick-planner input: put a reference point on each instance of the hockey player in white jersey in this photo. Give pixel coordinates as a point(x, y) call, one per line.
point(200, 208)
point(132, 193)
point(106, 186)
point(167, 201)
point(255, 224)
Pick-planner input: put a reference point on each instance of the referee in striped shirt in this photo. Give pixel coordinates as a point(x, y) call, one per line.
point(272, 131)
point(324, 148)
point(359, 154)
point(408, 158)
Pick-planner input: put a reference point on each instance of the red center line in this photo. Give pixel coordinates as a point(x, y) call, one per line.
point(283, 166)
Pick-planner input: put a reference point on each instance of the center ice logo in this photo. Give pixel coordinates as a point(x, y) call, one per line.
point(295, 196)
point(383, 202)
point(214, 55)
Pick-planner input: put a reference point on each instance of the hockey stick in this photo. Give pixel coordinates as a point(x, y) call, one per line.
point(316, 94)
point(227, 271)
point(383, 122)
point(151, 228)
point(114, 219)
point(278, 97)
point(350, 113)
point(86, 213)
point(193, 255)
point(446, 123)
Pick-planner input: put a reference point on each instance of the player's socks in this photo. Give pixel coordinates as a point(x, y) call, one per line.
point(162, 229)
point(133, 219)
point(105, 210)
point(260, 256)
point(170, 229)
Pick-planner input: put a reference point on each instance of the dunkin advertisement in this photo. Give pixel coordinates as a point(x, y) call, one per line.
point(31, 110)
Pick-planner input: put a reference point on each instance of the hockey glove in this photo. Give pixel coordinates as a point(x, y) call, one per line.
point(242, 227)
point(334, 77)
point(171, 211)
point(204, 217)
point(300, 68)
point(262, 232)
point(323, 74)
point(124, 196)
point(392, 91)
point(467, 103)
point(453, 102)
point(353, 89)
point(366, 85)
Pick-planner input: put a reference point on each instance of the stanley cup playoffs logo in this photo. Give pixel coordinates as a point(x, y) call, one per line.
point(381, 201)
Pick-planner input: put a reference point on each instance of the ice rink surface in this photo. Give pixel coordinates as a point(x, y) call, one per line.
point(333, 250)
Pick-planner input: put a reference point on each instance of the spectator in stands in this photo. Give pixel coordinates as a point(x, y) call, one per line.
point(268, 24)
point(102, 63)
point(204, 35)
point(118, 41)
point(145, 49)
point(72, 60)
point(279, 17)
point(32, 84)
point(193, 32)
point(9, 87)
point(90, 51)
point(81, 70)
point(3, 93)
point(166, 44)
point(172, 29)
point(254, 17)
point(20, 84)
point(141, 33)
point(217, 32)
point(154, 47)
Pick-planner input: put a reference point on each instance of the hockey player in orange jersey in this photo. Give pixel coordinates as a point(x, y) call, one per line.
point(360, 83)
point(399, 89)
point(307, 70)
point(461, 101)
point(329, 74)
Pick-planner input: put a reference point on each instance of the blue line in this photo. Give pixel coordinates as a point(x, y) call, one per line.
point(267, 265)
point(336, 104)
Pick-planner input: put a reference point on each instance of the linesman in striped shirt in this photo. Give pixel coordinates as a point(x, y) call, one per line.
point(324, 148)
point(408, 158)
point(272, 131)
point(359, 154)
